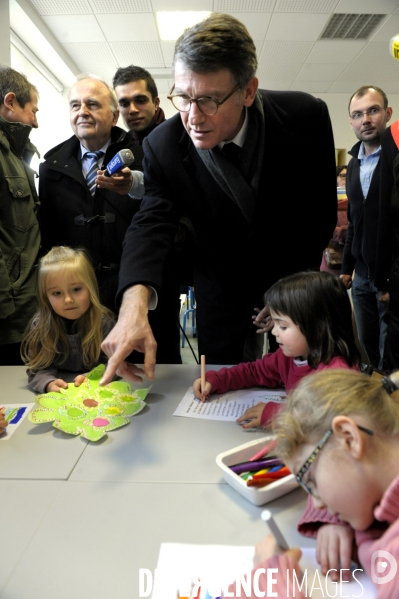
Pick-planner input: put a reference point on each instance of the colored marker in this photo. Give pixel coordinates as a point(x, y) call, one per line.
point(274, 529)
point(278, 474)
point(267, 449)
point(203, 375)
point(260, 482)
point(254, 465)
point(239, 468)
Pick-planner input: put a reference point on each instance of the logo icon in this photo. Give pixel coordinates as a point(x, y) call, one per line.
point(383, 563)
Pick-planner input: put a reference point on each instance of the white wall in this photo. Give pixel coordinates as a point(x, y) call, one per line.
point(53, 115)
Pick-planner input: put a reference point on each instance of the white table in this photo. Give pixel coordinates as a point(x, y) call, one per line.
point(87, 534)
point(34, 452)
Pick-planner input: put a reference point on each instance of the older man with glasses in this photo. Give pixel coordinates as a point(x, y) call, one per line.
point(212, 163)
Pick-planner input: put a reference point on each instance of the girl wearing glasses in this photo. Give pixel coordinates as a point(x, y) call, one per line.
point(312, 319)
point(340, 434)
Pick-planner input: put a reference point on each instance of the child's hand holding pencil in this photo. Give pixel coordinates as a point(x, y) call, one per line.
point(202, 389)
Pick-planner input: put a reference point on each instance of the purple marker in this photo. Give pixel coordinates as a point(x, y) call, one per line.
point(247, 466)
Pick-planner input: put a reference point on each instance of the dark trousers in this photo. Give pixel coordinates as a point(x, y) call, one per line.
point(370, 319)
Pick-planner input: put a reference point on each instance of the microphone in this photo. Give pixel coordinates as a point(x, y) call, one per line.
point(394, 46)
point(121, 159)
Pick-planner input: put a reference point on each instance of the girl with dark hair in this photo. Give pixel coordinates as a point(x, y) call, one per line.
point(312, 319)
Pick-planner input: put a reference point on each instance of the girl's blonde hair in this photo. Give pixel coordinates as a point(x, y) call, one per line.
point(320, 397)
point(46, 341)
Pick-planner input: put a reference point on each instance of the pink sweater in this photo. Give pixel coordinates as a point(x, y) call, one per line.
point(382, 536)
point(273, 370)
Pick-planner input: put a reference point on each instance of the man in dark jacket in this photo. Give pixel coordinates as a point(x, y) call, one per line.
point(387, 266)
point(138, 102)
point(19, 226)
point(368, 116)
point(250, 228)
point(83, 208)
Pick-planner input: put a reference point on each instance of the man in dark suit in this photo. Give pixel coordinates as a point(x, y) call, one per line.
point(253, 220)
point(95, 214)
point(369, 114)
point(138, 102)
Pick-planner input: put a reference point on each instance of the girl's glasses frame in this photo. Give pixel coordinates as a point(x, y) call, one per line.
point(308, 463)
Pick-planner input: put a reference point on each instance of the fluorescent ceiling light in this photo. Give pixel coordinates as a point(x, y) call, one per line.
point(172, 24)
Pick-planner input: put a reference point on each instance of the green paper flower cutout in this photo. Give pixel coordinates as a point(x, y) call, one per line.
point(89, 410)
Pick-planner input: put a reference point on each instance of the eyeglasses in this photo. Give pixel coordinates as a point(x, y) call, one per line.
point(342, 175)
point(206, 104)
point(306, 466)
point(374, 111)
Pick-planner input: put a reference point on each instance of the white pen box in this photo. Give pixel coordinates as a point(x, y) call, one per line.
point(256, 495)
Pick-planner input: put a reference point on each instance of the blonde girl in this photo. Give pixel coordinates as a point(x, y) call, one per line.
point(70, 325)
point(339, 434)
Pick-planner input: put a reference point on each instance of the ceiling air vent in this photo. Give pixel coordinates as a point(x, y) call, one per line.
point(351, 27)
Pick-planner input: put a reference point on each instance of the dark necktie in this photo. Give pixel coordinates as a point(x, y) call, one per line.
point(91, 175)
point(232, 153)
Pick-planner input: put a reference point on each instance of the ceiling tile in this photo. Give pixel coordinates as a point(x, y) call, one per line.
point(383, 7)
point(277, 72)
point(296, 27)
point(276, 85)
point(145, 54)
point(256, 23)
point(388, 29)
point(75, 28)
point(231, 6)
point(344, 87)
point(168, 49)
point(284, 52)
point(129, 28)
point(340, 51)
point(323, 72)
point(89, 56)
point(391, 76)
point(374, 54)
point(326, 6)
point(62, 7)
point(390, 87)
point(310, 87)
point(161, 5)
point(121, 6)
point(364, 73)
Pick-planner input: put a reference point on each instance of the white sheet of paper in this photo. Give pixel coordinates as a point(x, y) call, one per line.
point(181, 564)
point(15, 414)
point(228, 406)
